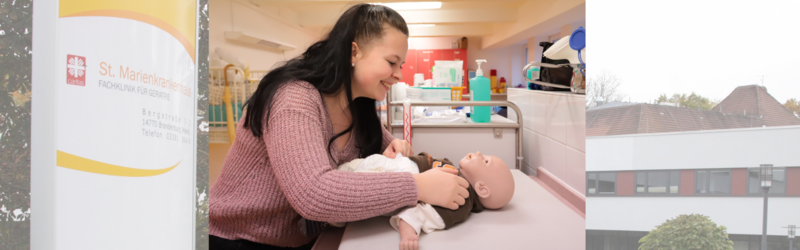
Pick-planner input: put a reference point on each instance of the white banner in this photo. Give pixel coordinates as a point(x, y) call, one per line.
point(125, 136)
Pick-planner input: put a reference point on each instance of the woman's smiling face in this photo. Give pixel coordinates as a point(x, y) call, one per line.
point(378, 66)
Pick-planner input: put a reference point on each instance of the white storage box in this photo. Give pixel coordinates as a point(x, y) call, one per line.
point(435, 94)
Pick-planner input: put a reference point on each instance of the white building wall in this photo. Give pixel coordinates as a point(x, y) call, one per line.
point(730, 148)
point(734, 148)
point(741, 215)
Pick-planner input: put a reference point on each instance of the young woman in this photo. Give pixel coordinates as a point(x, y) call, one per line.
point(308, 116)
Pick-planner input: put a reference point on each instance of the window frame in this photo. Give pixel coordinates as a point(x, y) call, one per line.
point(708, 181)
point(647, 181)
point(759, 194)
point(526, 55)
point(597, 183)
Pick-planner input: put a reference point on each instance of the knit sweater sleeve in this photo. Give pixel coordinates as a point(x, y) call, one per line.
point(298, 154)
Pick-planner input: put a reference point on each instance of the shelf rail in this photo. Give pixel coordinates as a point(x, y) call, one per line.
point(518, 126)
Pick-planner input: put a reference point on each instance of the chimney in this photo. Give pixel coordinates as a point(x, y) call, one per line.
point(599, 101)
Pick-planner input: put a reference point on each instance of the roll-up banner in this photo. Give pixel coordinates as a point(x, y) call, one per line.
point(124, 87)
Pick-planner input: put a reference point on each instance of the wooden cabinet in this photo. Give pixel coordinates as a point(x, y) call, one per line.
point(448, 54)
point(425, 60)
point(410, 67)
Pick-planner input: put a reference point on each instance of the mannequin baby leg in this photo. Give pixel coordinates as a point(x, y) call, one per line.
point(409, 240)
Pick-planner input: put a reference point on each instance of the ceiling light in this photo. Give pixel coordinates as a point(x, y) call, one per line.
point(412, 5)
point(421, 25)
point(241, 37)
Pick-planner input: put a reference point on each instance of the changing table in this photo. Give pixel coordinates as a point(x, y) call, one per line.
point(535, 218)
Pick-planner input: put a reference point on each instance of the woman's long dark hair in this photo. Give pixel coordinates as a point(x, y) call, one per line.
point(326, 66)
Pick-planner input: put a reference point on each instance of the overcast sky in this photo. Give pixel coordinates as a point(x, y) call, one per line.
point(709, 47)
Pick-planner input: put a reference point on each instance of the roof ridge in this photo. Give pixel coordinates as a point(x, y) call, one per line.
point(723, 99)
point(780, 104)
point(619, 106)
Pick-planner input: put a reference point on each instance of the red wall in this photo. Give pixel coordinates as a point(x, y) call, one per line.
point(425, 60)
point(410, 67)
point(793, 181)
point(739, 182)
point(687, 182)
point(421, 61)
point(625, 183)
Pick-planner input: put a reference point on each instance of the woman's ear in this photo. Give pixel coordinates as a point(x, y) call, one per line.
point(482, 190)
point(355, 53)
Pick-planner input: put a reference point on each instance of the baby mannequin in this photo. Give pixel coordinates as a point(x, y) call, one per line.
point(491, 187)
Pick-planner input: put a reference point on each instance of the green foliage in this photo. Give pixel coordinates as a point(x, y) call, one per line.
point(687, 232)
point(15, 123)
point(692, 101)
point(793, 105)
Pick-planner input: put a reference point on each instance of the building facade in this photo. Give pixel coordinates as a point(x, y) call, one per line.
point(636, 182)
point(647, 163)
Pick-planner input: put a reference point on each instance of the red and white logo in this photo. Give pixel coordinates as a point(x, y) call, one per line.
point(76, 70)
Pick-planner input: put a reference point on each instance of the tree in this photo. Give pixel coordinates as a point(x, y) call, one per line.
point(687, 232)
point(15, 123)
point(793, 105)
point(604, 87)
point(692, 101)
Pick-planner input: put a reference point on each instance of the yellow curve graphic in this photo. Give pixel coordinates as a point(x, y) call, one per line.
point(176, 17)
point(67, 160)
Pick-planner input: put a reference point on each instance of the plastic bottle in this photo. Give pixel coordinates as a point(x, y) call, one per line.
point(501, 89)
point(419, 79)
point(399, 91)
point(493, 80)
point(533, 73)
point(480, 90)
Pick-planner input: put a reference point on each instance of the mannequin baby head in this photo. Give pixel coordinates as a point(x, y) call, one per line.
point(490, 177)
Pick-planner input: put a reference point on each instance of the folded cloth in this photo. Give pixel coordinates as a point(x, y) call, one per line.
point(380, 164)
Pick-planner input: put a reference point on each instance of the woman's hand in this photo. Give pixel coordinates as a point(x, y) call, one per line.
point(441, 187)
point(398, 146)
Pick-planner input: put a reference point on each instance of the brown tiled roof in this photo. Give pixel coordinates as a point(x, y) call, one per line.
point(651, 118)
point(753, 100)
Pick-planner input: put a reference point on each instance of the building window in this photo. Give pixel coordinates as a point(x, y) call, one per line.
point(713, 182)
point(601, 183)
point(778, 182)
point(658, 182)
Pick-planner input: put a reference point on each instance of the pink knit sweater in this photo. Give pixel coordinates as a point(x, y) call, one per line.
point(267, 184)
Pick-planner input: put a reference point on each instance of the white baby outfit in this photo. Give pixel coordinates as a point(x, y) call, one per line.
point(379, 164)
point(421, 217)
